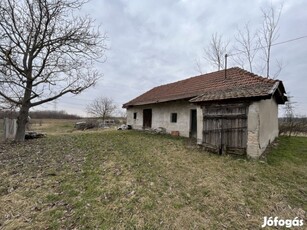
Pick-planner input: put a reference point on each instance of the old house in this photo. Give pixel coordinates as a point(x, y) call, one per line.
point(232, 111)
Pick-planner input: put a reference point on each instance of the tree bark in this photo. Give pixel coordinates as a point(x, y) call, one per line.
point(21, 123)
point(24, 114)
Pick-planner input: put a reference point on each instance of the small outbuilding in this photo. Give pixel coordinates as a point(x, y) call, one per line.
point(229, 111)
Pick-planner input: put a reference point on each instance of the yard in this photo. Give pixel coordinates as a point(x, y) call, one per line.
point(133, 180)
point(52, 126)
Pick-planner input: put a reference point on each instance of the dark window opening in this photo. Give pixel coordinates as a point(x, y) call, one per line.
point(134, 115)
point(173, 117)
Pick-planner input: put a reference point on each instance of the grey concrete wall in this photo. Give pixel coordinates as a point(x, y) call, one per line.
point(262, 126)
point(161, 117)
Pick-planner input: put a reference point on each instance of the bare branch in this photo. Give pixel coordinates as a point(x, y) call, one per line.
point(280, 66)
point(198, 66)
point(101, 107)
point(216, 50)
point(247, 46)
point(268, 34)
point(46, 51)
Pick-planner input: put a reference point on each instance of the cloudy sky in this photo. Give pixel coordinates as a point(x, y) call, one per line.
point(154, 42)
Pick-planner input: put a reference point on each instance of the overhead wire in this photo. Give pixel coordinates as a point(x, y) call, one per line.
point(275, 44)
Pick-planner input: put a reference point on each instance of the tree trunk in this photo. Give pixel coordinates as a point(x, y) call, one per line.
point(268, 62)
point(21, 123)
point(24, 114)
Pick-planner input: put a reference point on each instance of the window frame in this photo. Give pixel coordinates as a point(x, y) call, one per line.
point(174, 117)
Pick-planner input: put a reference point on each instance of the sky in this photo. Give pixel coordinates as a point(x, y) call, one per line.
point(156, 42)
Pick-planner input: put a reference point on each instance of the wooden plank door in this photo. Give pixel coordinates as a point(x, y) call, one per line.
point(225, 128)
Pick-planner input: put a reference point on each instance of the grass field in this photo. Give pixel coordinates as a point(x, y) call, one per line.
point(134, 180)
point(52, 126)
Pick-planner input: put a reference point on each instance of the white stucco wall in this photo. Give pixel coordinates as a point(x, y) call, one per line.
point(161, 117)
point(262, 126)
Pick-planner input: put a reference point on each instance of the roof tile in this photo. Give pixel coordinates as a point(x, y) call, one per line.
point(238, 83)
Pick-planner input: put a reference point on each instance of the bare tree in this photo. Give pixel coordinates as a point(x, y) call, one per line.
point(46, 51)
point(268, 34)
point(101, 107)
point(122, 113)
point(246, 46)
point(216, 50)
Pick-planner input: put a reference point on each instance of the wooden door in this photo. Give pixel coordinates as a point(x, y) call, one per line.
point(225, 128)
point(147, 118)
point(193, 123)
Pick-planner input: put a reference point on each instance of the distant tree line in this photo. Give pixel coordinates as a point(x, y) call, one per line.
point(45, 114)
point(292, 126)
point(53, 115)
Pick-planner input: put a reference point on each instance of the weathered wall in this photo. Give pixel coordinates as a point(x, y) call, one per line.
point(262, 126)
point(9, 128)
point(200, 125)
point(262, 121)
point(268, 123)
point(253, 126)
point(138, 122)
point(161, 117)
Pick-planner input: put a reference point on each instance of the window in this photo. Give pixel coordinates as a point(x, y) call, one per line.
point(173, 117)
point(134, 115)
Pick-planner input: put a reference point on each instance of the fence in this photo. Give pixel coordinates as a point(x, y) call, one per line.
point(8, 128)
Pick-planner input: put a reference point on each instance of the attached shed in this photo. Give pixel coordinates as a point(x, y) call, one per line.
point(232, 111)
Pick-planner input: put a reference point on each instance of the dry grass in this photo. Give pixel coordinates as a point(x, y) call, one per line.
point(52, 126)
point(133, 180)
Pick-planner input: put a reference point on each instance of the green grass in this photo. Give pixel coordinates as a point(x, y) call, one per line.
point(290, 149)
point(135, 180)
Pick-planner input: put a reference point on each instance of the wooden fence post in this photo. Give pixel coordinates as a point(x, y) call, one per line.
point(10, 128)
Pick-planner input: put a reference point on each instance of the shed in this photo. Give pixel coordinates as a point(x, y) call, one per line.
point(231, 111)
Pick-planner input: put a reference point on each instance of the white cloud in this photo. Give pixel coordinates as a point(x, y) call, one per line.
point(155, 42)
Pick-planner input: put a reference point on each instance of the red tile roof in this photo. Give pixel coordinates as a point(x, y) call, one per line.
point(213, 86)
